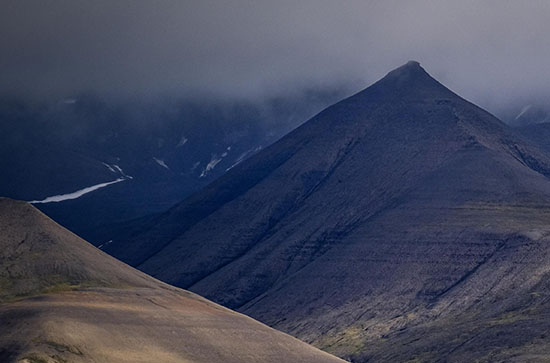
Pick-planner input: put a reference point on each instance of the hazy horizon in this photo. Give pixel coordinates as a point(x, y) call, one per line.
point(492, 52)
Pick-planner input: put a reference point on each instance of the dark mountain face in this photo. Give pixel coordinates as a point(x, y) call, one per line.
point(401, 223)
point(537, 133)
point(161, 151)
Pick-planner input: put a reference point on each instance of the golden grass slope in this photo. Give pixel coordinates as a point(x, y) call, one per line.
point(62, 300)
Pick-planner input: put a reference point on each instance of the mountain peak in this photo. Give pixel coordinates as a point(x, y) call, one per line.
point(411, 65)
point(412, 70)
point(408, 82)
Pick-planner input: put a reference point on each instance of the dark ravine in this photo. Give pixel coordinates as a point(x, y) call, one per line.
point(63, 300)
point(402, 223)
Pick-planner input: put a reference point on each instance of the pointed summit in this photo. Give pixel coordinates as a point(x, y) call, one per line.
point(408, 71)
point(410, 66)
point(408, 82)
point(413, 63)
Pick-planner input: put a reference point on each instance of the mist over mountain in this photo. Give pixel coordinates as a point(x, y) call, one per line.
point(492, 52)
point(141, 156)
point(249, 152)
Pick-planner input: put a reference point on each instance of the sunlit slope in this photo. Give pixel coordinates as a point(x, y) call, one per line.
point(65, 301)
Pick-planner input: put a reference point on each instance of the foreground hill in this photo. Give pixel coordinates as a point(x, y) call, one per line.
point(401, 223)
point(63, 300)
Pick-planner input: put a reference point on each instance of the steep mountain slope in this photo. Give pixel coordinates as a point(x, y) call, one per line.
point(63, 300)
point(401, 223)
point(538, 133)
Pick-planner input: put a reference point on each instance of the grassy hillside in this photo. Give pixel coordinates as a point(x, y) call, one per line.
point(63, 300)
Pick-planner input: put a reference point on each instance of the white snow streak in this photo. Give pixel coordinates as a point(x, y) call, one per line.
point(109, 167)
point(243, 156)
point(523, 110)
point(77, 194)
point(161, 163)
point(122, 171)
point(118, 170)
point(105, 244)
point(211, 165)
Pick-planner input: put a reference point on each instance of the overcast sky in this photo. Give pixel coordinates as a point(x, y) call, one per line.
point(491, 52)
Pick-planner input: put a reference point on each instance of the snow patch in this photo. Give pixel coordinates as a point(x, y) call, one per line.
point(105, 244)
point(118, 170)
point(77, 194)
point(523, 110)
point(183, 141)
point(109, 167)
point(161, 163)
point(211, 165)
point(226, 152)
point(122, 171)
point(243, 156)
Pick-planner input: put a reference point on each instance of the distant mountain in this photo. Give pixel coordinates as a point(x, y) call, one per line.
point(158, 152)
point(63, 300)
point(401, 224)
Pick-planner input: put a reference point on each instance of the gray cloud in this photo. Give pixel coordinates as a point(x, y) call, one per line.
point(492, 52)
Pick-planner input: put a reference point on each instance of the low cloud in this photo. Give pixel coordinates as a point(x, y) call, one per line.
point(492, 52)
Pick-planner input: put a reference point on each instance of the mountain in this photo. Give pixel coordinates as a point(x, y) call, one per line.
point(94, 163)
point(63, 300)
point(402, 223)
